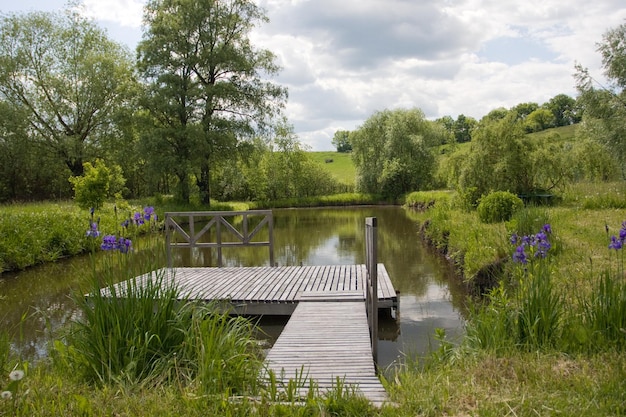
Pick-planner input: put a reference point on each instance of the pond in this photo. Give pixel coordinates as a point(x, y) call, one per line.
point(36, 302)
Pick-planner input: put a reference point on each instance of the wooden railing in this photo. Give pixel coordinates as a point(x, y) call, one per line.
point(371, 285)
point(216, 220)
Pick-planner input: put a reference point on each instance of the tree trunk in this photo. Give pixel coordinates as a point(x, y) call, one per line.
point(204, 184)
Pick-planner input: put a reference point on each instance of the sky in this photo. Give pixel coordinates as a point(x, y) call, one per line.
point(343, 60)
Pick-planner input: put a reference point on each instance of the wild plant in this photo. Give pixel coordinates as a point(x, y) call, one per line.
point(10, 395)
point(604, 312)
point(532, 317)
point(540, 308)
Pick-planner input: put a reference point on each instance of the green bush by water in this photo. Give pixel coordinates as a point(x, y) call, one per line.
point(498, 206)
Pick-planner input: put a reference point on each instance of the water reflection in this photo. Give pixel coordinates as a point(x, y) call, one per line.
point(328, 236)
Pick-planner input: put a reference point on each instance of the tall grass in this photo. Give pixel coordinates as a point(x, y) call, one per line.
point(146, 332)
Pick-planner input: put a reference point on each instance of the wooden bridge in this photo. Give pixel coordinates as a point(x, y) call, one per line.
point(332, 333)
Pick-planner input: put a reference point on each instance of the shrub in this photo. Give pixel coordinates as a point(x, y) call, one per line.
point(498, 206)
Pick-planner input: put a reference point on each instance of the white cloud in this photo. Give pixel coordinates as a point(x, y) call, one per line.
point(126, 13)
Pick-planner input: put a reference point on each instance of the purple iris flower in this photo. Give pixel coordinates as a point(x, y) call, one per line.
point(124, 245)
point(109, 242)
point(519, 255)
point(93, 230)
point(148, 212)
point(615, 243)
point(138, 219)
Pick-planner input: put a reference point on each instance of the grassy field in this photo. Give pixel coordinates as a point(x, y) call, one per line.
point(341, 167)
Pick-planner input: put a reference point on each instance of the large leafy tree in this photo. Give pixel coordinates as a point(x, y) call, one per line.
point(205, 83)
point(68, 79)
point(393, 152)
point(499, 159)
point(604, 116)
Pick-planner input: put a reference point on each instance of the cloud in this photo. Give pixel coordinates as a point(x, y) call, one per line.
point(125, 13)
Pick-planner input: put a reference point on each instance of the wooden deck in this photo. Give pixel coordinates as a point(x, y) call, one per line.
point(272, 290)
point(325, 341)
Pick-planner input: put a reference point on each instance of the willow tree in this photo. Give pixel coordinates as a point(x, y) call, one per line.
point(393, 152)
point(205, 83)
point(68, 78)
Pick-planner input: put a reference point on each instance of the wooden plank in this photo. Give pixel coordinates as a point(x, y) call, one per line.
point(327, 349)
point(272, 285)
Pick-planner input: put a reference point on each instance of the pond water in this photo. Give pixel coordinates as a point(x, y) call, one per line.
point(36, 302)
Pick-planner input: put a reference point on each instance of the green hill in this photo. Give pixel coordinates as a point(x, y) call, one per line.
point(340, 165)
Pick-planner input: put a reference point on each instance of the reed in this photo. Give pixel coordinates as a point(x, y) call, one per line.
point(150, 333)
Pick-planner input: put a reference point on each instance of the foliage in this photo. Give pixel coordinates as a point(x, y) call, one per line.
point(67, 78)
point(538, 120)
point(341, 140)
point(498, 206)
point(565, 109)
point(605, 111)
point(149, 332)
point(98, 183)
point(423, 200)
point(206, 86)
point(500, 159)
point(392, 152)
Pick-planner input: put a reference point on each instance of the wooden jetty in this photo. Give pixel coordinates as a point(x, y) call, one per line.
point(332, 333)
point(267, 290)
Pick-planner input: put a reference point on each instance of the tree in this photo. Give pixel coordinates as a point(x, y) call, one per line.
point(499, 159)
point(206, 87)
point(565, 110)
point(392, 152)
point(523, 110)
point(604, 118)
point(97, 184)
point(341, 140)
point(68, 77)
point(463, 128)
point(538, 120)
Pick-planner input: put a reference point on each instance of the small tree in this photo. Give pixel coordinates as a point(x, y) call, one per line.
point(97, 184)
point(341, 140)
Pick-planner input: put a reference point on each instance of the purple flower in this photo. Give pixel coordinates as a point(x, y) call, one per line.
point(519, 255)
point(93, 230)
point(138, 219)
point(615, 243)
point(148, 212)
point(124, 245)
point(547, 229)
point(109, 242)
point(125, 223)
point(514, 239)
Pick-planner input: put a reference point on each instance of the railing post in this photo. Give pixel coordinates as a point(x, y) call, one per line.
point(168, 241)
point(371, 287)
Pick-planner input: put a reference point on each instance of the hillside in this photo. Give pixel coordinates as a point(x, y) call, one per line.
point(341, 166)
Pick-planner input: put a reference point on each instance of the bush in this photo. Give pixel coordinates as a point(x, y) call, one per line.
point(498, 206)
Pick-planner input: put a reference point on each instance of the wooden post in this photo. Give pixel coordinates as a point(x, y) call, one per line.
point(371, 286)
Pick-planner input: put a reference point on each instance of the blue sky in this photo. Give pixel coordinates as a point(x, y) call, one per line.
point(342, 61)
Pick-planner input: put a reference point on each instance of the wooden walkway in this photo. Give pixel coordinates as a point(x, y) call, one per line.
point(327, 341)
point(271, 290)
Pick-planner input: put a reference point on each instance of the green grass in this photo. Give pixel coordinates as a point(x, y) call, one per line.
point(341, 167)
